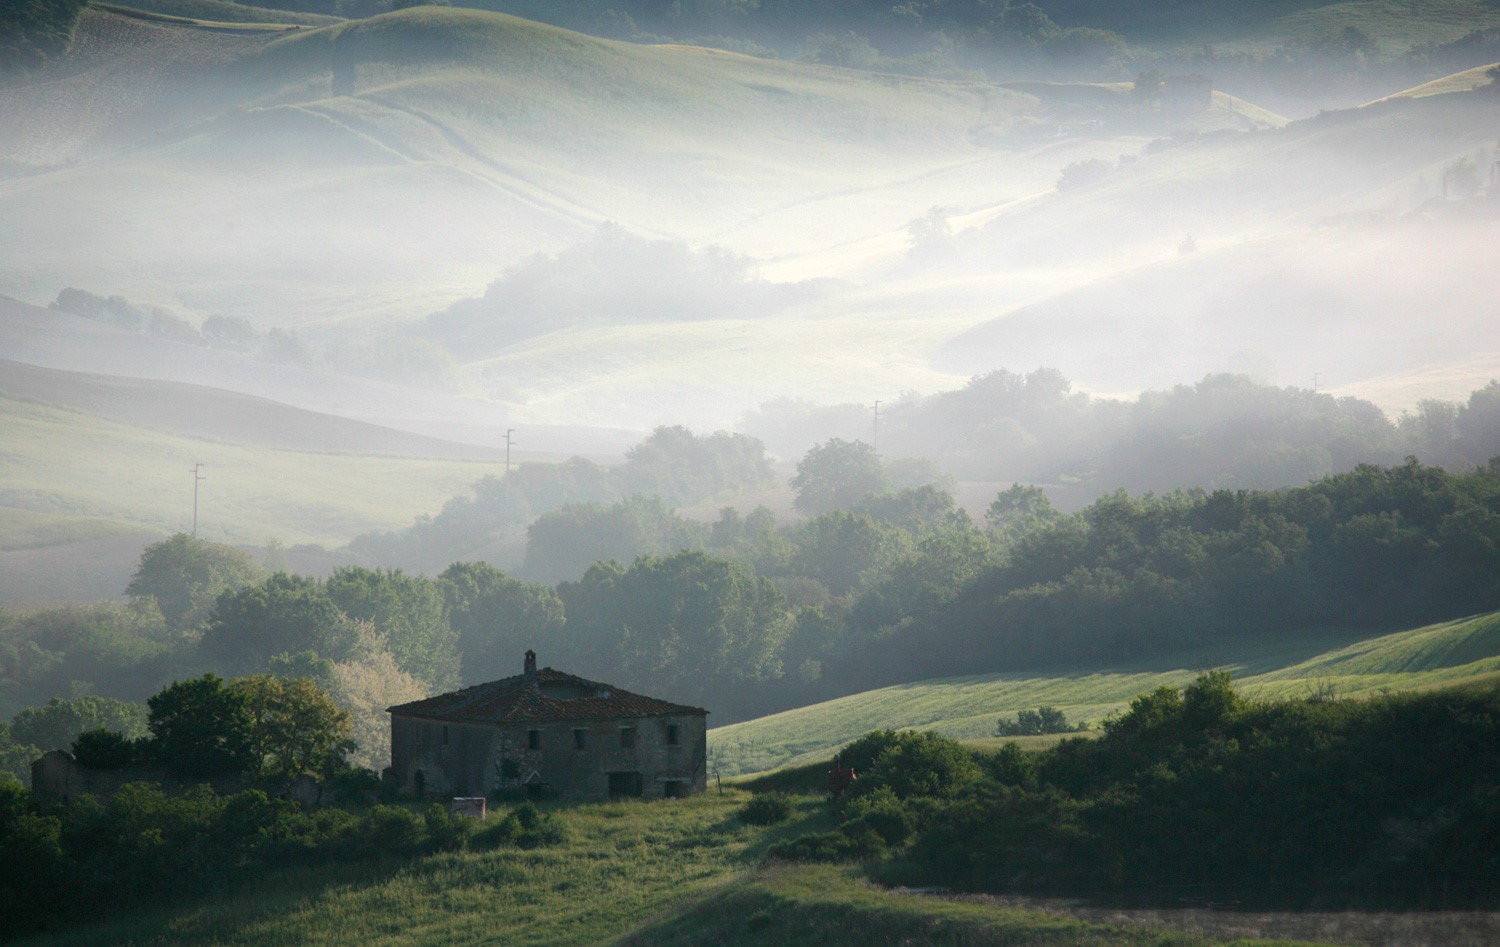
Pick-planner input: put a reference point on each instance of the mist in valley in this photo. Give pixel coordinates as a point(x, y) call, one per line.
point(838, 367)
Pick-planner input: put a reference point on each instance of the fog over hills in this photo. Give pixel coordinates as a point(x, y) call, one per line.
point(453, 223)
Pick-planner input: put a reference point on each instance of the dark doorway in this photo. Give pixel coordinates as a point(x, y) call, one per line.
point(673, 789)
point(625, 785)
point(419, 784)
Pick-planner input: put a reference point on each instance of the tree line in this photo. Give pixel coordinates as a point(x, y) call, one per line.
point(1225, 431)
point(757, 616)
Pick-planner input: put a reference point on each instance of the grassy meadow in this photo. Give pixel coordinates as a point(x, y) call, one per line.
point(1446, 654)
point(678, 872)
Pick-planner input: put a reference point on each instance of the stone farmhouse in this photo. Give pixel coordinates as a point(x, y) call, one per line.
point(548, 732)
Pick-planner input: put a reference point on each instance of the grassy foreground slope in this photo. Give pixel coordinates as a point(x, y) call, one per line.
point(1439, 655)
point(681, 872)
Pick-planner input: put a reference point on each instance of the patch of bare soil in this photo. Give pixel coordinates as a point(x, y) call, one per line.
point(1370, 928)
point(89, 570)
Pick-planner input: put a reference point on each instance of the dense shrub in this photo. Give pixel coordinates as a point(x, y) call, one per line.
point(766, 808)
point(526, 826)
point(1302, 803)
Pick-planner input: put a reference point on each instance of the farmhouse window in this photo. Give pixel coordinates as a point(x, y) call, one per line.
point(445, 734)
point(533, 739)
point(627, 738)
point(578, 739)
point(672, 734)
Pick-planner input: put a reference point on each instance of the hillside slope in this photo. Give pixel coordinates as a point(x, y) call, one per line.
point(968, 707)
point(412, 155)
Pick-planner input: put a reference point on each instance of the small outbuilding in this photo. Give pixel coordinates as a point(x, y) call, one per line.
point(549, 732)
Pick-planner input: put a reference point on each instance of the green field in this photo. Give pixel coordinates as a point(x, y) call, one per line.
point(967, 708)
point(680, 872)
point(68, 475)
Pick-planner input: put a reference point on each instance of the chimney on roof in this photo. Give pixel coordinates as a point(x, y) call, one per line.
point(530, 668)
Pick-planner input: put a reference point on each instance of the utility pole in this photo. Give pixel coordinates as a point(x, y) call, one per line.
point(875, 435)
point(197, 479)
point(508, 432)
point(1315, 382)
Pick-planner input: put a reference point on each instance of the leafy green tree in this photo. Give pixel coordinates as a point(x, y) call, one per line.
point(679, 466)
point(563, 543)
point(842, 549)
point(110, 749)
point(915, 509)
point(408, 611)
point(15, 757)
point(836, 475)
point(910, 764)
point(57, 724)
point(1020, 510)
point(202, 729)
point(284, 614)
point(688, 624)
point(294, 727)
point(185, 575)
point(498, 618)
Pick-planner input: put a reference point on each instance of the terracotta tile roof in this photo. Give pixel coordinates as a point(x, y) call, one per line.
point(552, 696)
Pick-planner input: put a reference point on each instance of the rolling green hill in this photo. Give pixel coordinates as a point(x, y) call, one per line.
point(1441, 655)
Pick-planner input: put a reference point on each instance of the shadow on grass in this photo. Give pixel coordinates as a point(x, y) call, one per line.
point(221, 911)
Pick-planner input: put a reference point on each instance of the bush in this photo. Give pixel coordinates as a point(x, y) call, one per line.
point(1082, 173)
point(880, 812)
point(383, 830)
point(525, 827)
point(767, 808)
point(1035, 722)
point(447, 832)
point(921, 764)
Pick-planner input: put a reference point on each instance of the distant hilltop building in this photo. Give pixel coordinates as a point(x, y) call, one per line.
point(546, 731)
point(1187, 93)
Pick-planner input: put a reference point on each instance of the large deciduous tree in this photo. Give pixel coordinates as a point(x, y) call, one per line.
point(689, 625)
point(497, 618)
point(201, 729)
point(185, 575)
point(836, 475)
point(408, 611)
point(285, 614)
point(294, 727)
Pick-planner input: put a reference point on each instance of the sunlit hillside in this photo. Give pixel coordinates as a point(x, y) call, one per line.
point(1443, 655)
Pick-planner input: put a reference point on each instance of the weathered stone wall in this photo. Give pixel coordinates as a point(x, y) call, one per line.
point(451, 758)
